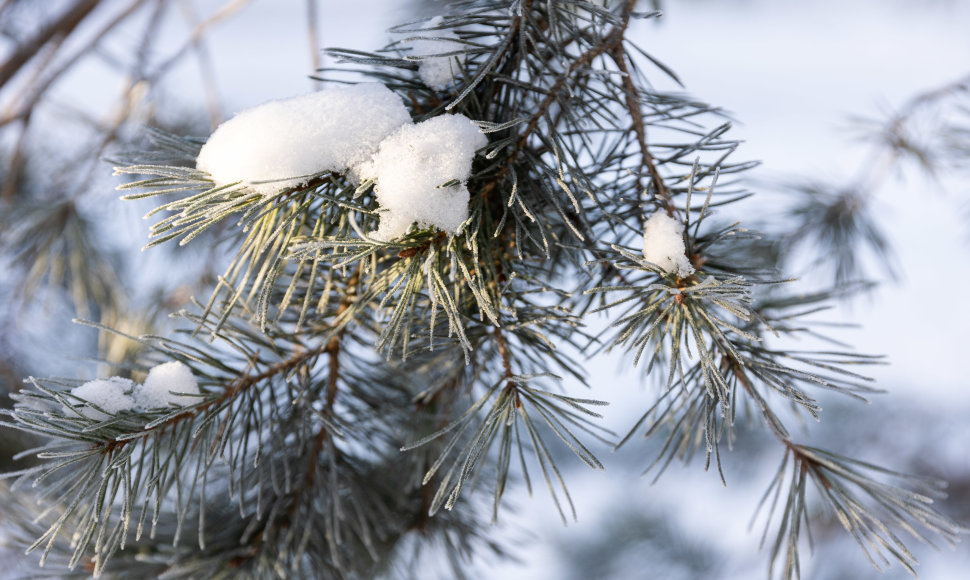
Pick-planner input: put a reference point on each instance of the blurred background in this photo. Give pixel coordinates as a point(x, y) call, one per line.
point(862, 101)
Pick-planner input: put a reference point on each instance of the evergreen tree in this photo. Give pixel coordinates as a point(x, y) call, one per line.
point(411, 275)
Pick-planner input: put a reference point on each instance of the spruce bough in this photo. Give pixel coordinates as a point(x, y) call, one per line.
point(352, 385)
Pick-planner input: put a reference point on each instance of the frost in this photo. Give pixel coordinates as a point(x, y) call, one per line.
point(111, 395)
point(170, 383)
point(162, 384)
point(437, 72)
point(282, 144)
point(410, 171)
point(663, 244)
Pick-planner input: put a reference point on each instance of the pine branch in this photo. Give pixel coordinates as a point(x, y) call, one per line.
point(301, 425)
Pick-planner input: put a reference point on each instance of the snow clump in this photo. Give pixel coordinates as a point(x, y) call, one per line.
point(170, 383)
point(112, 395)
point(437, 72)
point(162, 384)
point(283, 144)
point(663, 245)
point(411, 167)
point(363, 131)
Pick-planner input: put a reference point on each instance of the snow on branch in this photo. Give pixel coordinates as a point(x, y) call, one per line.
point(437, 68)
point(419, 173)
point(663, 245)
point(170, 383)
point(363, 131)
point(282, 144)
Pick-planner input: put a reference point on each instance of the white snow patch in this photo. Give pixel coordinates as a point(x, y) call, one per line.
point(363, 131)
point(437, 72)
point(163, 383)
point(411, 166)
point(112, 395)
point(170, 383)
point(282, 144)
point(663, 244)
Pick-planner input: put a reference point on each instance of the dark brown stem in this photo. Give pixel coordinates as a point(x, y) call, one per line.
point(503, 352)
point(619, 56)
point(12, 182)
point(333, 346)
point(610, 42)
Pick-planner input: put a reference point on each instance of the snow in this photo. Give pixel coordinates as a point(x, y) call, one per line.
point(663, 244)
point(161, 384)
point(410, 168)
point(109, 394)
point(363, 131)
point(437, 72)
point(282, 144)
point(117, 394)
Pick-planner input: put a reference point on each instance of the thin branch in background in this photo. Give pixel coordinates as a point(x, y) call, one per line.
point(835, 221)
point(11, 181)
point(228, 9)
point(206, 66)
point(313, 38)
point(132, 94)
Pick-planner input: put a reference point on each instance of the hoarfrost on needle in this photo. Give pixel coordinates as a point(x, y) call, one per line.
point(663, 244)
point(282, 144)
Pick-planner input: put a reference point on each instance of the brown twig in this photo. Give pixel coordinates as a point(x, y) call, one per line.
point(503, 352)
point(235, 387)
point(11, 181)
point(333, 346)
point(619, 57)
point(612, 41)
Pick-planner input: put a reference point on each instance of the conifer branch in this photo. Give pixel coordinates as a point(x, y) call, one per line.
point(363, 374)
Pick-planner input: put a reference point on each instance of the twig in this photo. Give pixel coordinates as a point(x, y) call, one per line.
point(619, 56)
point(12, 179)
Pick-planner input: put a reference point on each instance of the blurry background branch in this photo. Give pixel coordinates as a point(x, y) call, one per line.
point(836, 223)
